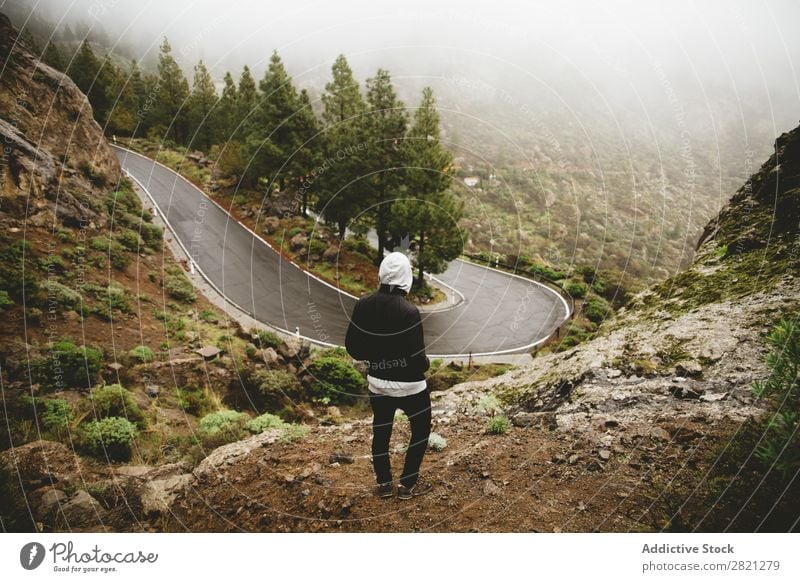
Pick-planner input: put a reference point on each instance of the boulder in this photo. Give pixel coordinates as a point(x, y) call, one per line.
point(269, 356)
point(222, 457)
point(291, 348)
point(41, 461)
point(81, 510)
point(298, 241)
point(271, 224)
point(158, 494)
point(331, 253)
point(545, 420)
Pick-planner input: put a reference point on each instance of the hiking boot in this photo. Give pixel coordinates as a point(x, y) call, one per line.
point(385, 490)
point(420, 488)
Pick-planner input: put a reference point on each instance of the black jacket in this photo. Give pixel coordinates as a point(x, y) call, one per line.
point(386, 330)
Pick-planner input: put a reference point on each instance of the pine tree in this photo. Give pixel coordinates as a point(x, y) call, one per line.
point(338, 189)
point(169, 109)
point(225, 112)
point(94, 77)
point(200, 108)
point(246, 101)
point(124, 104)
point(384, 129)
point(308, 139)
point(430, 214)
point(52, 56)
point(272, 139)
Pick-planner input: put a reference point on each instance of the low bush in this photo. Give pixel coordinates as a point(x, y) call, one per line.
point(56, 415)
point(267, 339)
point(276, 382)
point(112, 437)
point(498, 425)
point(195, 400)
point(437, 442)
point(780, 446)
point(129, 239)
point(577, 289)
point(152, 235)
point(114, 400)
point(111, 248)
point(223, 426)
point(63, 296)
point(596, 309)
point(67, 366)
point(141, 354)
point(5, 301)
point(264, 422)
point(335, 380)
point(179, 287)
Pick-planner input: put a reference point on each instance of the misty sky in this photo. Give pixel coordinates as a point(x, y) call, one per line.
point(717, 38)
point(705, 60)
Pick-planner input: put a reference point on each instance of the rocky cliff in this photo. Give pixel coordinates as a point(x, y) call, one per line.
point(56, 161)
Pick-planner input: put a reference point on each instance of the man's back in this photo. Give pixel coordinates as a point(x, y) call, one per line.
point(386, 330)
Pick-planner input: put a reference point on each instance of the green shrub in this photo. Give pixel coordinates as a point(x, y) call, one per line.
point(113, 249)
point(316, 247)
point(437, 442)
point(129, 239)
point(596, 309)
point(141, 354)
point(52, 263)
point(223, 426)
point(780, 445)
point(359, 245)
point(498, 425)
point(5, 301)
point(293, 432)
point(195, 400)
point(335, 380)
point(95, 176)
point(276, 387)
point(56, 415)
point(124, 199)
point(544, 271)
point(152, 235)
point(294, 232)
point(64, 296)
point(179, 287)
point(67, 366)
point(490, 404)
point(264, 422)
point(267, 339)
point(576, 288)
point(209, 316)
point(113, 436)
point(114, 400)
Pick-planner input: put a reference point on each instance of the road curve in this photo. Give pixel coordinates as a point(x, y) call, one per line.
point(501, 313)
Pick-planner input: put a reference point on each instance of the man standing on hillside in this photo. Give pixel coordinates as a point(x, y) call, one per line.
point(386, 330)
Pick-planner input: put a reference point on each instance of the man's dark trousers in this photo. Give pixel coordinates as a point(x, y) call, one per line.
point(418, 409)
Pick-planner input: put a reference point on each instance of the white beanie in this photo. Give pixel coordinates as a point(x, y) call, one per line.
point(396, 270)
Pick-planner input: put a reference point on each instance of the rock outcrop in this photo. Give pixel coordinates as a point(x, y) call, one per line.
point(56, 157)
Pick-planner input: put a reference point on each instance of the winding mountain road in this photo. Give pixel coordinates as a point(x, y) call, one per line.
point(501, 313)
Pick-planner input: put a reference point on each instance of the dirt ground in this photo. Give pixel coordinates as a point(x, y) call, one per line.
point(527, 480)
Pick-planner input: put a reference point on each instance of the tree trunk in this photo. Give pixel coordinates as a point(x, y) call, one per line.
point(420, 278)
point(342, 229)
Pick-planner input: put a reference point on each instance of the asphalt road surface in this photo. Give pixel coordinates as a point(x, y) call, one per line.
point(501, 313)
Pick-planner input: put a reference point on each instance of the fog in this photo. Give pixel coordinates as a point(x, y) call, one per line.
point(642, 68)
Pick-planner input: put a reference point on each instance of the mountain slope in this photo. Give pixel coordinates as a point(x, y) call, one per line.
point(624, 432)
